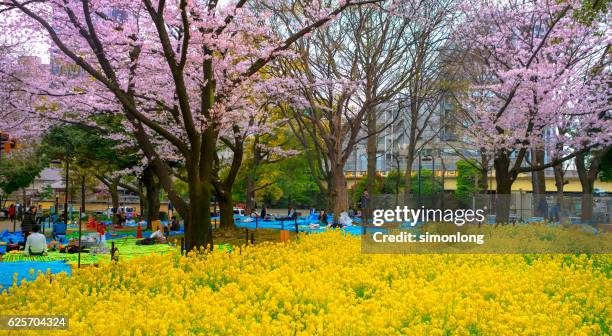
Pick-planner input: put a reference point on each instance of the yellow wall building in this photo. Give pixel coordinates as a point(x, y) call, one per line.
point(523, 182)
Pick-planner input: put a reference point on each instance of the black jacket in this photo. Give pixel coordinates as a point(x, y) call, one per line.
point(29, 219)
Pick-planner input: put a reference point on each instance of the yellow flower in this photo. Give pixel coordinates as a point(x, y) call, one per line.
point(322, 284)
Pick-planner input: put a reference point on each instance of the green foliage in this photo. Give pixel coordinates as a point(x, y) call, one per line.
point(87, 148)
point(391, 182)
point(287, 182)
point(46, 192)
point(467, 175)
point(428, 185)
point(605, 173)
point(591, 9)
point(20, 170)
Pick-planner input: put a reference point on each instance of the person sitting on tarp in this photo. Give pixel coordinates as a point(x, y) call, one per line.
point(118, 220)
point(59, 230)
point(158, 235)
point(344, 219)
point(36, 243)
point(72, 247)
point(351, 212)
point(174, 226)
point(293, 213)
point(323, 218)
point(155, 238)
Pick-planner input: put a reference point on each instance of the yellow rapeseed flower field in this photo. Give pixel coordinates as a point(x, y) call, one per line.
point(323, 285)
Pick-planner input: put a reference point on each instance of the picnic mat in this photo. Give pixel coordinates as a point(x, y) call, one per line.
point(126, 248)
point(28, 270)
point(86, 258)
point(10, 237)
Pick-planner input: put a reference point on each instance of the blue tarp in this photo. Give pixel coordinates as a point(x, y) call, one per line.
point(23, 269)
point(303, 224)
point(10, 237)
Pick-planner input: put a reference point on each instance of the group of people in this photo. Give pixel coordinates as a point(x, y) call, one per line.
point(11, 213)
point(263, 214)
point(36, 242)
point(343, 221)
point(556, 213)
point(15, 212)
point(291, 214)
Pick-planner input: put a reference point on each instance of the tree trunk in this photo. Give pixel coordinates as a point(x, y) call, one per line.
point(142, 200)
point(587, 201)
point(398, 181)
point(250, 193)
point(226, 207)
point(538, 184)
point(252, 176)
point(483, 181)
point(152, 196)
point(559, 182)
point(408, 179)
point(587, 178)
point(504, 188)
point(587, 181)
point(372, 151)
point(223, 189)
point(82, 195)
point(153, 203)
point(337, 191)
point(112, 188)
point(198, 229)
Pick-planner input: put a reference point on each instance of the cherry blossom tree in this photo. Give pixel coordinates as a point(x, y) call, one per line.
point(180, 74)
point(536, 59)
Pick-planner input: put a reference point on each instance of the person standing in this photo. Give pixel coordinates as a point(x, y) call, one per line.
point(555, 213)
point(171, 209)
point(28, 222)
point(365, 204)
point(263, 213)
point(12, 213)
point(20, 211)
